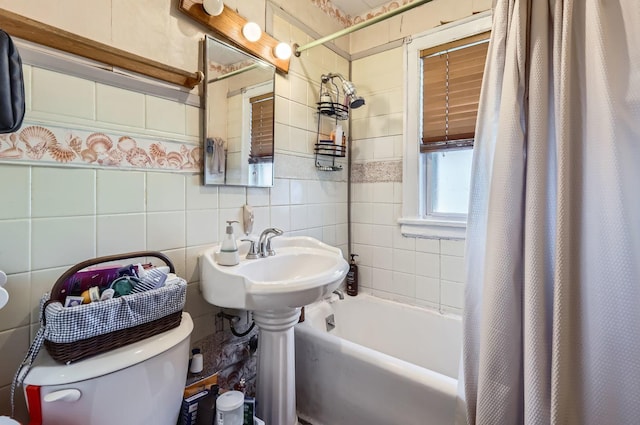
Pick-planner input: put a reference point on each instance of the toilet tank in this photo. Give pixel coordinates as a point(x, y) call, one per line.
point(138, 384)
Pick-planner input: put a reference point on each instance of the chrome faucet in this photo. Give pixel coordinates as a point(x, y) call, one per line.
point(264, 243)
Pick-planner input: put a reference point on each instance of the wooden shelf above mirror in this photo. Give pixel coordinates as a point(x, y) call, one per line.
point(229, 26)
point(46, 35)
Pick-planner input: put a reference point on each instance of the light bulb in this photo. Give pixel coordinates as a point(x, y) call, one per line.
point(251, 31)
point(282, 51)
point(213, 7)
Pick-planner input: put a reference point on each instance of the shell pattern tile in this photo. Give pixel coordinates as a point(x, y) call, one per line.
point(54, 145)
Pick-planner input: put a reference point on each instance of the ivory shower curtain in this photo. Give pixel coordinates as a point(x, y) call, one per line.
point(552, 308)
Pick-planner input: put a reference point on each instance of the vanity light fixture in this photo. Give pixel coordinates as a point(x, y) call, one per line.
point(213, 7)
point(229, 26)
point(282, 51)
point(252, 31)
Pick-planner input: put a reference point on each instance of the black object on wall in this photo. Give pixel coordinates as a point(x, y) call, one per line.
point(12, 105)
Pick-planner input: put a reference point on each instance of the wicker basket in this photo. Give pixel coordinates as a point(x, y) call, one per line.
point(73, 333)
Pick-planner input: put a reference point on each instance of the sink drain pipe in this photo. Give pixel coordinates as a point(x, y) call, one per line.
point(232, 321)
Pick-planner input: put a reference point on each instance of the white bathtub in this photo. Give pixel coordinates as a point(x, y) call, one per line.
point(385, 363)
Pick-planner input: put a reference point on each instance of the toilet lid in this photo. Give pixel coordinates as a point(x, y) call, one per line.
point(5, 420)
point(47, 371)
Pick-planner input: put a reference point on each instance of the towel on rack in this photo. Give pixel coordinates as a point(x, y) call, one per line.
point(217, 155)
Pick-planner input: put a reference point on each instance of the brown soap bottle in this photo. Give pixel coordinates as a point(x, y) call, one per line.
point(352, 277)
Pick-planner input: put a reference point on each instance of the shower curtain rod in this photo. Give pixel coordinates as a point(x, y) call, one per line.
point(299, 49)
point(233, 73)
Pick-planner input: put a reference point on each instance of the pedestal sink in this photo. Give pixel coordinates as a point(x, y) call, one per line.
point(302, 271)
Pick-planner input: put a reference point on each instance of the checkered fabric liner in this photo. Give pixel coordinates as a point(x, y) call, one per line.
point(70, 324)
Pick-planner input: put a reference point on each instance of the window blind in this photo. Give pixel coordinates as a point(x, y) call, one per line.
point(262, 126)
point(452, 77)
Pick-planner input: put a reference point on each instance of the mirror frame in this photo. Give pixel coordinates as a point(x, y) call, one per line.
point(258, 173)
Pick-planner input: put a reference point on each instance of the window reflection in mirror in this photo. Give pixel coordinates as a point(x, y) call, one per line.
point(239, 117)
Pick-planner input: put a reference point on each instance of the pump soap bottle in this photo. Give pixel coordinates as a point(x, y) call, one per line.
point(228, 255)
point(352, 277)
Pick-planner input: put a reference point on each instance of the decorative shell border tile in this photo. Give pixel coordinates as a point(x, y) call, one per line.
point(393, 5)
point(347, 20)
point(51, 145)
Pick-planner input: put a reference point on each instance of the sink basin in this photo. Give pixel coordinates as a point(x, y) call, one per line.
point(303, 271)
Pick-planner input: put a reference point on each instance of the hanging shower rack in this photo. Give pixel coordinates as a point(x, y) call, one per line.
point(337, 107)
point(330, 106)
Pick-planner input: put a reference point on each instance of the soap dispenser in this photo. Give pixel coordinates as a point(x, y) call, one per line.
point(229, 249)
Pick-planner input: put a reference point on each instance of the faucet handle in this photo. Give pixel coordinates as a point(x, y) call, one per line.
point(253, 250)
point(275, 232)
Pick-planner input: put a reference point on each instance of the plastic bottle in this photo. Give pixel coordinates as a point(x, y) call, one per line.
point(228, 255)
point(337, 139)
point(352, 277)
point(230, 408)
point(197, 361)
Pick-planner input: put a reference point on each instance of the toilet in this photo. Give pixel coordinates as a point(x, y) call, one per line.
point(139, 384)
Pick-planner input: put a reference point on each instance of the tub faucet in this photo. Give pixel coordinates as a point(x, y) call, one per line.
point(264, 243)
point(339, 293)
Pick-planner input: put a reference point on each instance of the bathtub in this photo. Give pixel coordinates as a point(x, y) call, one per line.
point(384, 363)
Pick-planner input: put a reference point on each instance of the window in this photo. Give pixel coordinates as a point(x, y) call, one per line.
point(451, 81)
point(261, 127)
point(444, 70)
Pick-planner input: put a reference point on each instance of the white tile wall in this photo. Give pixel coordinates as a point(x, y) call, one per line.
point(193, 123)
point(232, 197)
point(298, 191)
point(281, 217)
point(426, 272)
point(14, 185)
point(258, 196)
point(58, 193)
point(119, 106)
point(165, 115)
point(120, 233)
point(165, 192)
point(202, 227)
point(60, 94)
point(62, 241)
point(428, 264)
point(165, 230)
point(120, 192)
point(14, 245)
point(200, 197)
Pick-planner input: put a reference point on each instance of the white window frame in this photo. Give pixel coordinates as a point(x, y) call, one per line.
point(415, 221)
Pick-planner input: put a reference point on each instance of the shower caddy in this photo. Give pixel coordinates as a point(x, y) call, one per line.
point(326, 150)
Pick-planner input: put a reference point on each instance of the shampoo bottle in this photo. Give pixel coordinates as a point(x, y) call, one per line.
point(352, 277)
point(337, 139)
point(229, 249)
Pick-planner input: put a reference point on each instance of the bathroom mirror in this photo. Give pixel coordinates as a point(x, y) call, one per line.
point(239, 116)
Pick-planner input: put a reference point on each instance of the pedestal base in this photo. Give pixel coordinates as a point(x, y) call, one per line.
point(276, 381)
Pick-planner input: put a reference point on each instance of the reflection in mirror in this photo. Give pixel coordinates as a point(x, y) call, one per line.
point(239, 104)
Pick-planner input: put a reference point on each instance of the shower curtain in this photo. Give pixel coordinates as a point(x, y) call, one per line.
point(552, 303)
